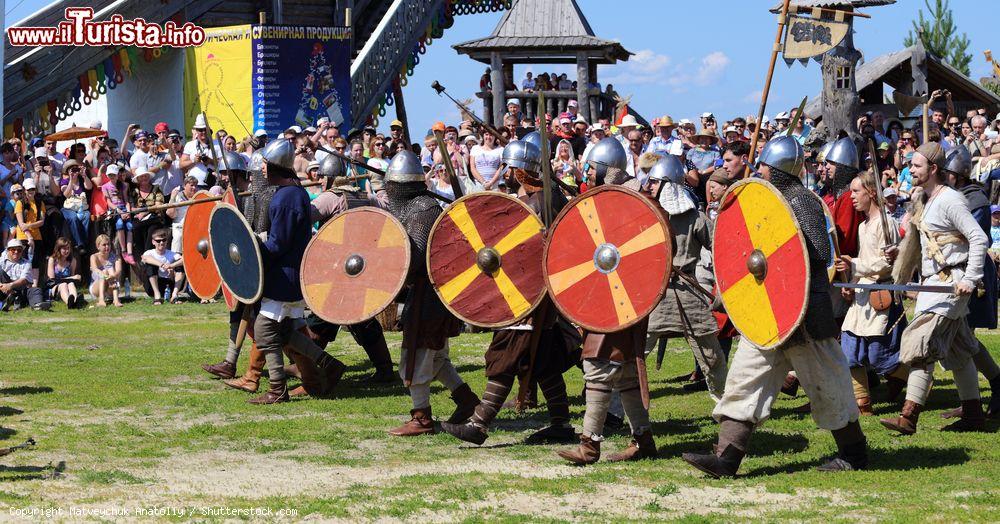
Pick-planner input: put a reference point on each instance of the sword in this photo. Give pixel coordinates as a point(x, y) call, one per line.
point(898, 287)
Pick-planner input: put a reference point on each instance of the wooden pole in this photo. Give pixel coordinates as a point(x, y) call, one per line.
point(767, 85)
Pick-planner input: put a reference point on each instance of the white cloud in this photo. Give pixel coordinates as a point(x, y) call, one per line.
point(646, 67)
point(754, 96)
point(649, 62)
point(713, 66)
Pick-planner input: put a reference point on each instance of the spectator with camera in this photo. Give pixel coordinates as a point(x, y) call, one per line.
point(153, 158)
point(196, 159)
point(75, 186)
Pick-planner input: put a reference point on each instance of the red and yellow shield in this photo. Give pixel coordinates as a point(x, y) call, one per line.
point(484, 259)
point(199, 267)
point(608, 259)
point(355, 265)
point(761, 264)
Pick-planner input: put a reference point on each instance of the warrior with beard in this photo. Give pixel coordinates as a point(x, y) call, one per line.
point(756, 375)
point(427, 324)
point(553, 340)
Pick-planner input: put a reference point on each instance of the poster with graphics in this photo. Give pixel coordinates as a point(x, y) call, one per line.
point(300, 74)
point(217, 80)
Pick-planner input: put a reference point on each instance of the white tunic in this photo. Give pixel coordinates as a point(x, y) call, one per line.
point(868, 267)
point(948, 212)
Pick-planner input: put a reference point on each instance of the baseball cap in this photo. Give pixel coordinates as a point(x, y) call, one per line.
point(40, 152)
point(514, 101)
point(707, 115)
point(260, 132)
point(565, 120)
point(597, 127)
point(14, 243)
point(994, 209)
point(16, 187)
point(96, 124)
point(395, 123)
point(139, 135)
point(438, 126)
point(161, 127)
point(572, 103)
point(730, 129)
point(113, 169)
point(891, 191)
point(139, 171)
point(883, 146)
point(322, 120)
point(314, 164)
point(310, 129)
point(685, 122)
point(294, 129)
point(29, 184)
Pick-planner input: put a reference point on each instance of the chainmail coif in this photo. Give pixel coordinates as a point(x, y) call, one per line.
point(410, 203)
point(808, 211)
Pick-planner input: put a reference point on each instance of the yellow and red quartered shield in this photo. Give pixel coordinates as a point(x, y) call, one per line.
point(484, 259)
point(761, 264)
point(355, 266)
point(199, 267)
point(608, 259)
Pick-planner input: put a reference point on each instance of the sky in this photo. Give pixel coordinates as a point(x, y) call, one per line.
point(689, 57)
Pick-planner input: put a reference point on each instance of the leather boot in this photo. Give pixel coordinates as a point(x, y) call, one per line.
point(952, 413)
point(467, 432)
point(893, 387)
point(331, 370)
point(277, 392)
point(791, 385)
point(292, 370)
point(641, 447)
point(420, 424)
point(223, 370)
point(906, 422)
point(250, 381)
point(865, 406)
point(734, 436)
point(972, 418)
point(309, 374)
point(852, 450)
point(588, 452)
point(381, 376)
point(993, 408)
point(465, 402)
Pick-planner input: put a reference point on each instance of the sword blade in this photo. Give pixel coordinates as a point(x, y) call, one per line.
point(898, 287)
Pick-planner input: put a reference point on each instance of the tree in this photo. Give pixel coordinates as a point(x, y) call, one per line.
point(939, 36)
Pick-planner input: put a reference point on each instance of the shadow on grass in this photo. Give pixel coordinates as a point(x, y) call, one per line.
point(21, 473)
point(763, 443)
point(24, 390)
point(7, 411)
point(903, 459)
point(6, 433)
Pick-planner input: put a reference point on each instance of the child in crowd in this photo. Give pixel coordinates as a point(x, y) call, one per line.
point(115, 191)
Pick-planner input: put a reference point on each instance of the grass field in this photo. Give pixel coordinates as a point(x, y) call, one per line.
point(126, 421)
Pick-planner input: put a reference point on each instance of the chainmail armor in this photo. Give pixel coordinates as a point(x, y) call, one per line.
point(819, 318)
point(410, 203)
point(842, 178)
point(256, 205)
point(616, 177)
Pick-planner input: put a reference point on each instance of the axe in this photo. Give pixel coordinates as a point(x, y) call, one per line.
point(492, 130)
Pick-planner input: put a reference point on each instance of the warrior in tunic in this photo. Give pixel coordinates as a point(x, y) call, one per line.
point(683, 311)
point(427, 324)
point(554, 341)
point(947, 244)
point(874, 323)
point(609, 360)
point(982, 303)
point(756, 375)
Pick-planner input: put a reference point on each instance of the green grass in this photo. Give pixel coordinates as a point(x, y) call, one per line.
point(124, 417)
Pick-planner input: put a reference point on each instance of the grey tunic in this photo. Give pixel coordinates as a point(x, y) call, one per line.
point(691, 234)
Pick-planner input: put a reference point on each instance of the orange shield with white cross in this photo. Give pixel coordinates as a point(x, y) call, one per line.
point(761, 263)
point(484, 259)
point(608, 259)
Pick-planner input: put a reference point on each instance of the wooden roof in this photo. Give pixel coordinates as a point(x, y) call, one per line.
point(548, 31)
point(833, 4)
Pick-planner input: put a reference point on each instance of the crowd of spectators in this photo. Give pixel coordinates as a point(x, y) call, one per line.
point(72, 218)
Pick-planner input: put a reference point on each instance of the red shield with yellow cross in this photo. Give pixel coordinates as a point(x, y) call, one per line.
point(199, 266)
point(355, 265)
point(484, 259)
point(608, 259)
point(761, 264)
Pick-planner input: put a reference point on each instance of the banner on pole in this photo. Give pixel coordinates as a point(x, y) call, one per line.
point(808, 37)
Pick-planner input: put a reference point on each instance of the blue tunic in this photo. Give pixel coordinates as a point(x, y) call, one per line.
point(286, 243)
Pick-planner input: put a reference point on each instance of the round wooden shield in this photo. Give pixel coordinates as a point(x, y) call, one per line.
point(355, 265)
point(227, 296)
point(761, 264)
point(484, 259)
point(831, 232)
point(608, 259)
point(236, 252)
point(199, 266)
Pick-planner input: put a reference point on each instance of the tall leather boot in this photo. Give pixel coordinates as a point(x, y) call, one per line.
point(791, 385)
point(993, 408)
point(972, 418)
point(312, 383)
point(852, 450)
point(371, 338)
point(277, 392)
point(588, 452)
point(223, 370)
point(906, 422)
point(420, 424)
point(250, 381)
point(641, 447)
point(734, 436)
point(465, 404)
point(331, 370)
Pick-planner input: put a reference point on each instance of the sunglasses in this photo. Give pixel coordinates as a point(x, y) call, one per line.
point(15, 249)
point(379, 144)
point(158, 240)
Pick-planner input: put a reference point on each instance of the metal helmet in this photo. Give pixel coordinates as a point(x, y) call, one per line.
point(280, 152)
point(844, 153)
point(668, 169)
point(823, 151)
point(783, 153)
point(608, 153)
point(958, 161)
point(331, 166)
point(404, 167)
point(256, 162)
point(523, 155)
point(233, 161)
point(533, 137)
